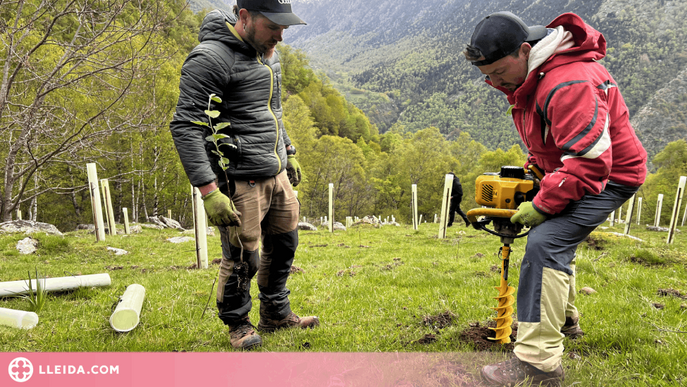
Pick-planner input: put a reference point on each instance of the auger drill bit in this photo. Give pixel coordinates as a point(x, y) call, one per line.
point(504, 310)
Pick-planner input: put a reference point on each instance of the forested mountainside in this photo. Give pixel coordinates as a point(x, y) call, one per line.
point(401, 61)
point(205, 5)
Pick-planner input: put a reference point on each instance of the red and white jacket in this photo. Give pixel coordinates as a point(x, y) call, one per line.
point(573, 119)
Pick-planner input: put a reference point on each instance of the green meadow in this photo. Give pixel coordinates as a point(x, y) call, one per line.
point(388, 289)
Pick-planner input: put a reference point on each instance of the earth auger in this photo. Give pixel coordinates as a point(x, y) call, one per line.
point(500, 194)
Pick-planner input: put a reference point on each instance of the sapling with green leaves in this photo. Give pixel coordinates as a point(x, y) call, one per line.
point(216, 136)
point(219, 207)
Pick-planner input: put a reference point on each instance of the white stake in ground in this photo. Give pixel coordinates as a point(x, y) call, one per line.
point(684, 216)
point(125, 214)
point(108, 206)
point(659, 204)
point(612, 221)
point(639, 209)
point(445, 205)
point(95, 202)
point(128, 312)
point(630, 210)
point(413, 205)
point(18, 318)
point(15, 288)
point(200, 226)
point(676, 208)
point(18, 214)
point(331, 207)
point(349, 222)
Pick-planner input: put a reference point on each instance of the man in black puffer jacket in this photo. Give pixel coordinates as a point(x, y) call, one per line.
point(247, 193)
point(456, 198)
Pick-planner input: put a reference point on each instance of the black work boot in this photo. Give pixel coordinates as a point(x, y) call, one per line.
point(243, 335)
point(514, 372)
point(291, 321)
point(572, 328)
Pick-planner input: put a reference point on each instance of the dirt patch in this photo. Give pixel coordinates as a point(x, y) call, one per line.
point(397, 262)
point(478, 334)
point(429, 338)
point(648, 258)
point(350, 272)
point(671, 292)
point(595, 243)
point(440, 321)
point(296, 269)
point(217, 261)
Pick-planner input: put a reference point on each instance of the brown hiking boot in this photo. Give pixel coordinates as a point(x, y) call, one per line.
point(292, 320)
point(572, 328)
point(514, 372)
point(243, 335)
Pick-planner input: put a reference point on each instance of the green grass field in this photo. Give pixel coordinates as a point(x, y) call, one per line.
point(375, 290)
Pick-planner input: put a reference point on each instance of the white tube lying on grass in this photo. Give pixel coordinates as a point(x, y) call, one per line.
point(127, 313)
point(15, 288)
point(18, 318)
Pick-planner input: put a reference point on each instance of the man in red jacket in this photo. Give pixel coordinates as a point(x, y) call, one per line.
point(574, 122)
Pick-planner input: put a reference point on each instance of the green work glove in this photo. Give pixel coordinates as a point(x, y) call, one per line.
point(293, 170)
point(528, 215)
point(221, 210)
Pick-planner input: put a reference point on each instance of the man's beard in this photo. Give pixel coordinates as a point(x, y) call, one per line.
point(260, 48)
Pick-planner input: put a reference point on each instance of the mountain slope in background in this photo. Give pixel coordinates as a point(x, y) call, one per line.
point(400, 61)
point(208, 5)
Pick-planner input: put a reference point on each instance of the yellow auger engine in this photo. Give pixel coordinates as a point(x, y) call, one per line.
point(501, 194)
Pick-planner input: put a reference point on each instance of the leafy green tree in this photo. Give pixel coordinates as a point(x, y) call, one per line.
point(672, 164)
point(70, 77)
point(423, 159)
point(338, 161)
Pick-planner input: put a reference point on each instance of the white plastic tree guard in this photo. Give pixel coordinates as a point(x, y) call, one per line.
point(128, 312)
point(14, 288)
point(331, 207)
point(445, 205)
point(18, 318)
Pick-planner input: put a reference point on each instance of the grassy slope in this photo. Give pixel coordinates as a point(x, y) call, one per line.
point(372, 289)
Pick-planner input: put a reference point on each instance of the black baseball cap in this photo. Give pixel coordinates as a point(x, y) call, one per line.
point(500, 34)
point(277, 11)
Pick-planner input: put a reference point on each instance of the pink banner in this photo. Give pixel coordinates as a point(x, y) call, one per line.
point(124, 369)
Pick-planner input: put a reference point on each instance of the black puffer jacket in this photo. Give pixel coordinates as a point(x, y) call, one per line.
point(250, 88)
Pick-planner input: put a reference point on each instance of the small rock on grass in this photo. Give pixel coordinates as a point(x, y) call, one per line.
point(587, 291)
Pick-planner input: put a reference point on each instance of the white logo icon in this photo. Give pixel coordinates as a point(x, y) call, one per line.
point(284, 1)
point(20, 369)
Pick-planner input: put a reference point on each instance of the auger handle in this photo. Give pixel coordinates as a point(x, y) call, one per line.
point(488, 212)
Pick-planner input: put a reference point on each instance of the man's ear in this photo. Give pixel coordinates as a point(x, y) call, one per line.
point(244, 15)
point(525, 49)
